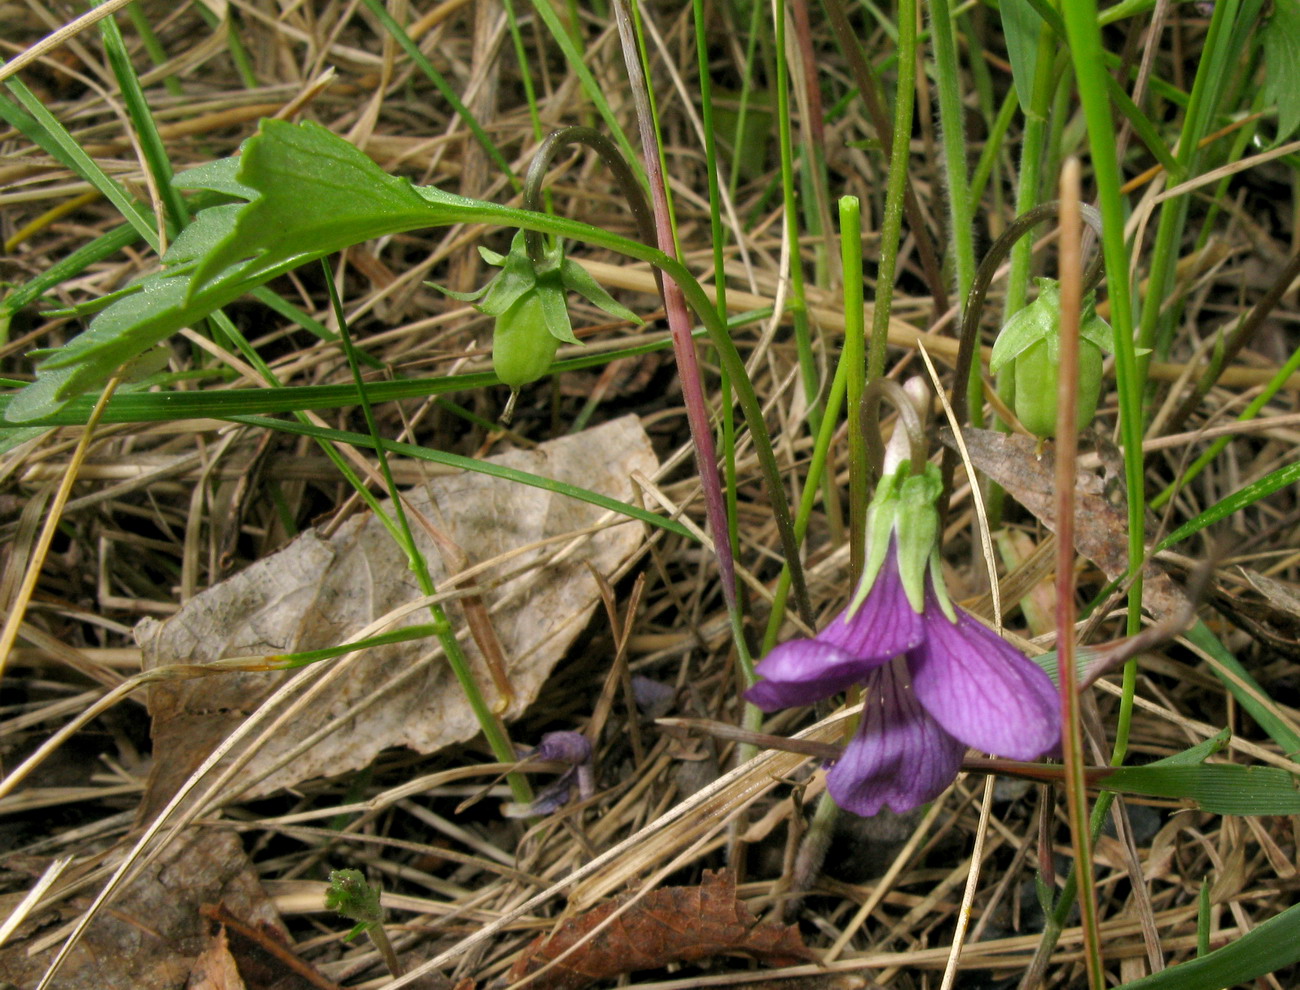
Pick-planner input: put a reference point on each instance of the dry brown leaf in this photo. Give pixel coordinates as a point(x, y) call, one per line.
point(320, 591)
point(262, 957)
point(216, 968)
point(672, 924)
point(1273, 619)
point(1101, 519)
point(153, 933)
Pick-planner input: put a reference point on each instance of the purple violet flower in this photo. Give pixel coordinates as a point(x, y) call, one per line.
point(571, 748)
point(936, 680)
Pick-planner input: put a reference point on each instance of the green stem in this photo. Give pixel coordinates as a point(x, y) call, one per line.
point(494, 730)
point(854, 360)
point(609, 154)
point(891, 227)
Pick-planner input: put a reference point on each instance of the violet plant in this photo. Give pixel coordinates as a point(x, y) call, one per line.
point(936, 681)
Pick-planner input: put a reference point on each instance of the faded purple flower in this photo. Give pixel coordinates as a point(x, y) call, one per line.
point(558, 747)
point(936, 680)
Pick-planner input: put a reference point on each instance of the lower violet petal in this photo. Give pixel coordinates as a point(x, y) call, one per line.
point(899, 757)
point(982, 689)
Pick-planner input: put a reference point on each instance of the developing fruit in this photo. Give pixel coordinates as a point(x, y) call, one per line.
point(1030, 345)
point(1037, 375)
point(522, 347)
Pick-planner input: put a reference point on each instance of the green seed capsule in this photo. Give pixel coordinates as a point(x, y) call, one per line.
point(1036, 378)
point(522, 347)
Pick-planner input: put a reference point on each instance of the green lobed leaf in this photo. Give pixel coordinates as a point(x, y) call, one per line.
point(342, 198)
point(219, 176)
point(314, 194)
point(1282, 62)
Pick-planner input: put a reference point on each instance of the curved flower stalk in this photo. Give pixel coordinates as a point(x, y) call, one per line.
point(936, 681)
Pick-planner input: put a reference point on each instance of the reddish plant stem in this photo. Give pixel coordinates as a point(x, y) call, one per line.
point(1067, 449)
point(679, 319)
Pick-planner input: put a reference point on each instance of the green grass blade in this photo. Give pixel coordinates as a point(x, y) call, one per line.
point(54, 138)
point(153, 407)
point(592, 89)
point(469, 464)
point(415, 55)
point(146, 129)
point(1268, 947)
point(1238, 500)
point(1245, 689)
point(1219, 788)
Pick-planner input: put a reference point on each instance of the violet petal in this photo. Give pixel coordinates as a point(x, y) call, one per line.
point(884, 625)
point(806, 670)
point(803, 671)
point(564, 746)
point(900, 756)
point(982, 689)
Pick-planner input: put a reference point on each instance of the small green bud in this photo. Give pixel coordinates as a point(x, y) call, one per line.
point(529, 301)
point(1030, 344)
point(522, 347)
point(350, 895)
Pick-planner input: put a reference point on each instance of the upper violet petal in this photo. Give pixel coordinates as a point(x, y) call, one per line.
point(900, 756)
point(803, 671)
point(982, 689)
point(884, 625)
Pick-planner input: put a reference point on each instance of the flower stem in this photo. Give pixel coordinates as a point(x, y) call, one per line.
point(854, 360)
point(608, 151)
point(379, 939)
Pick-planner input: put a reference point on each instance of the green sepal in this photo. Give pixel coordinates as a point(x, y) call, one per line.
point(916, 530)
point(578, 279)
point(1093, 328)
point(1041, 318)
point(471, 296)
point(940, 586)
point(518, 276)
point(904, 510)
point(555, 311)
